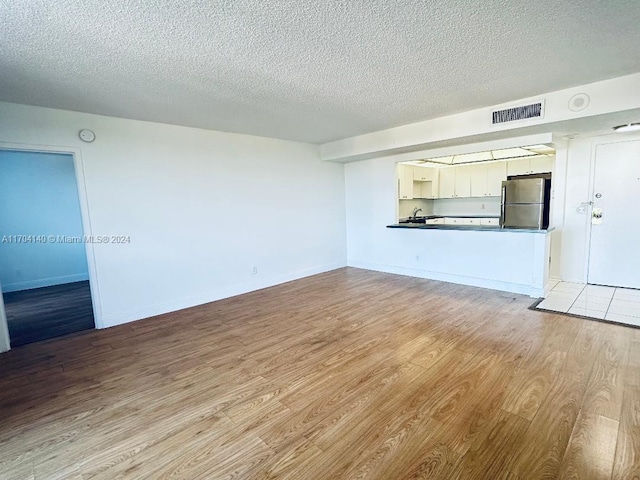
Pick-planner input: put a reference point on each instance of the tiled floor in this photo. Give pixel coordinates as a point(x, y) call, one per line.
point(606, 303)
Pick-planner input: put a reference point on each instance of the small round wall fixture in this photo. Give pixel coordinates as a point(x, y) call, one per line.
point(87, 135)
point(579, 102)
point(627, 127)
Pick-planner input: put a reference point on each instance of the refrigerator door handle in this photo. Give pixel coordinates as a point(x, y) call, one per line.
point(502, 204)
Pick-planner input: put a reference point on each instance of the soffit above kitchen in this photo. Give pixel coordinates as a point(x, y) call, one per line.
point(586, 110)
point(306, 70)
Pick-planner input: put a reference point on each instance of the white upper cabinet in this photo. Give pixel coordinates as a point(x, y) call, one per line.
point(478, 180)
point(425, 182)
point(486, 179)
point(542, 164)
point(527, 166)
point(522, 166)
point(463, 181)
point(424, 174)
point(496, 174)
point(405, 182)
point(447, 182)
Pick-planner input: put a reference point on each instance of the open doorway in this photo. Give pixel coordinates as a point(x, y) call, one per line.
point(43, 262)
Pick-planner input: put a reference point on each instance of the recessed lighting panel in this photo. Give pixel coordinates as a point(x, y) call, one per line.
point(494, 155)
point(473, 157)
point(629, 127)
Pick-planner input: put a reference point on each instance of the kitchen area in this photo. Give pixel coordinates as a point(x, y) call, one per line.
point(462, 219)
point(434, 209)
point(508, 188)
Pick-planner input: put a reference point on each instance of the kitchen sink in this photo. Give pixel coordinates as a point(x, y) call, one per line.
point(413, 220)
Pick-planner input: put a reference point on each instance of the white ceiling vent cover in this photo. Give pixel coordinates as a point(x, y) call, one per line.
point(514, 114)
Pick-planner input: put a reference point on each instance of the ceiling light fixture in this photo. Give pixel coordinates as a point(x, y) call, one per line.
point(490, 155)
point(628, 127)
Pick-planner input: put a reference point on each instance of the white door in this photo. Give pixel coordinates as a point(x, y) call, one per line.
point(615, 236)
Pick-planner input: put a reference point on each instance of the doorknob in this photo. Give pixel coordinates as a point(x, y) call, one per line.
point(598, 195)
point(596, 216)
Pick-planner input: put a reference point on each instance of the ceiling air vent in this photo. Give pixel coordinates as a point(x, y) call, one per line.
point(535, 110)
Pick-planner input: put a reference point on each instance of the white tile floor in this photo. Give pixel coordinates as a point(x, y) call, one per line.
point(605, 303)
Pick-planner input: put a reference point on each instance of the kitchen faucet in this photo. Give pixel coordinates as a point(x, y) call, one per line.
point(415, 212)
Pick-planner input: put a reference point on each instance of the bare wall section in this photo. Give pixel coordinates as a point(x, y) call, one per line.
point(203, 210)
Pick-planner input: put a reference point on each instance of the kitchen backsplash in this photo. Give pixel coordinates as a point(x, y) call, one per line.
point(467, 206)
point(406, 207)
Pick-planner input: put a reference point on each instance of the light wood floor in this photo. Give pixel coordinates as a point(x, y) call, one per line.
point(349, 374)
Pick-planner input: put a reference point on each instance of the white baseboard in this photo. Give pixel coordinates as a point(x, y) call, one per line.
point(451, 278)
point(192, 301)
point(45, 282)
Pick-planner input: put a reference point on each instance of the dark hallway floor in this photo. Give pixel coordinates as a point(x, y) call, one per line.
point(48, 312)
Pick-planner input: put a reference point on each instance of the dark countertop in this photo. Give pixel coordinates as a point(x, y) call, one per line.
point(479, 228)
point(456, 216)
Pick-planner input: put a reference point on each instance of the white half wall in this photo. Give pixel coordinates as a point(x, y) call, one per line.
point(201, 208)
point(509, 261)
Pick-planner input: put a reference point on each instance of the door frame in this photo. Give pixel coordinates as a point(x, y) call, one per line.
point(86, 228)
point(605, 140)
point(5, 344)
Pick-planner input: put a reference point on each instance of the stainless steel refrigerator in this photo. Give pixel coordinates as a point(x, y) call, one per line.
point(525, 202)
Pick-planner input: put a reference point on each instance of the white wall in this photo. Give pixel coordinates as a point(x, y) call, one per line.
point(39, 197)
point(201, 208)
point(575, 226)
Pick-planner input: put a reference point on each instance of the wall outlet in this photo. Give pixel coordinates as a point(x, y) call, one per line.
point(254, 270)
point(417, 258)
point(18, 272)
point(482, 206)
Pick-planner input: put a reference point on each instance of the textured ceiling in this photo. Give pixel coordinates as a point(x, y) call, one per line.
point(306, 70)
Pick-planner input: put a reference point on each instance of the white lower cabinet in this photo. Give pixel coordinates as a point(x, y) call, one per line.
point(461, 221)
point(490, 221)
point(469, 221)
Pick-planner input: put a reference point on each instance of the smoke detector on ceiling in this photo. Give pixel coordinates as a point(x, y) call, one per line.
point(579, 102)
point(86, 135)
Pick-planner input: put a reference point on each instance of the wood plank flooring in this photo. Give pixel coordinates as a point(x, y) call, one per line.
point(48, 312)
point(347, 374)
